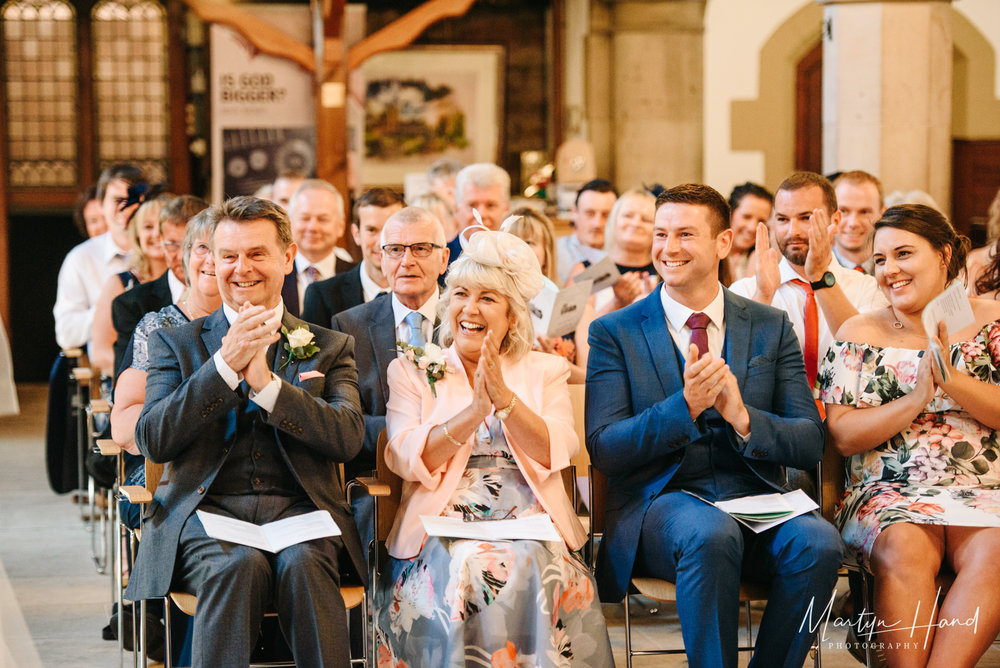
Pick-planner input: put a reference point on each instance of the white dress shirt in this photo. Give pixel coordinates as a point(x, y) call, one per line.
point(570, 250)
point(269, 393)
point(861, 290)
point(177, 287)
point(369, 288)
point(678, 314)
point(428, 310)
point(83, 273)
point(325, 268)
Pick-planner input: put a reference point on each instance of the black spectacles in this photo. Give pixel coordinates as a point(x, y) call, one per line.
point(422, 249)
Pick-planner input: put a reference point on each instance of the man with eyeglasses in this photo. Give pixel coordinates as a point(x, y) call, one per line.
point(128, 308)
point(413, 257)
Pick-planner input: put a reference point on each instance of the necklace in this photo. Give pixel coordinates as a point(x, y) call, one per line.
point(897, 324)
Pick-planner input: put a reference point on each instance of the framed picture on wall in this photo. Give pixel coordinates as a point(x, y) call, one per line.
point(426, 103)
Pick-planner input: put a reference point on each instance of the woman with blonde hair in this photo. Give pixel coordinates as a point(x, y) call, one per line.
point(146, 262)
point(480, 431)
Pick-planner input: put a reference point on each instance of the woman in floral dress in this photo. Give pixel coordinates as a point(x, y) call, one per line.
point(922, 448)
point(487, 438)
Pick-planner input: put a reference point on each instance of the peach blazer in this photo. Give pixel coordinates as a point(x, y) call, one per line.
point(538, 379)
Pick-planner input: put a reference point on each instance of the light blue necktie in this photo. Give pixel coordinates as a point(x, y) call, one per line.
point(415, 320)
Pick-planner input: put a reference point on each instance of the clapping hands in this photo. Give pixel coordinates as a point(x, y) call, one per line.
point(244, 347)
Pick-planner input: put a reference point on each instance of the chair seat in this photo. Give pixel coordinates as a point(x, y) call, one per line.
point(663, 590)
point(187, 603)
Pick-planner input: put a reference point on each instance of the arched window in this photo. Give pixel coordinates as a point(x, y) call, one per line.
point(130, 84)
point(41, 92)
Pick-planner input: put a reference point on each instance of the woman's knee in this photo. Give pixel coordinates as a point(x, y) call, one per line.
point(907, 550)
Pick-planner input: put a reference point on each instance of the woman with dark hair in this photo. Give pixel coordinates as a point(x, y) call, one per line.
point(750, 204)
point(986, 260)
point(922, 449)
point(988, 284)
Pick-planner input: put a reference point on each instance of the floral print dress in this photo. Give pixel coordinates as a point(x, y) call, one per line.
point(942, 469)
point(506, 603)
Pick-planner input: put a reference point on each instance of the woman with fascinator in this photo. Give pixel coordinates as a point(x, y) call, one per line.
point(487, 439)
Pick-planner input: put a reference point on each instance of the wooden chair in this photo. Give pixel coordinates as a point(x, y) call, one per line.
point(353, 595)
point(386, 488)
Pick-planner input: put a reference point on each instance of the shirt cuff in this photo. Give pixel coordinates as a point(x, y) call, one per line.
point(231, 377)
point(744, 439)
point(268, 395)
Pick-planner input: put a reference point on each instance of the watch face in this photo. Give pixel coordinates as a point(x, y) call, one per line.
point(829, 279)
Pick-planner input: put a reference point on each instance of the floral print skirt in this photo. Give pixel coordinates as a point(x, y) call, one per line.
point(505, 603)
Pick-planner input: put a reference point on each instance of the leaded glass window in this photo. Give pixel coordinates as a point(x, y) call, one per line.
point(41, 92)
point(130, 84)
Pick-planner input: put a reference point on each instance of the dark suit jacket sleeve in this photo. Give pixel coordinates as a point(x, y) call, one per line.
point(331, 425)
point(178, 408)
point(374, 424)
point(125, 316)
point(785, 427)
point(618, 440)
point(315, 308)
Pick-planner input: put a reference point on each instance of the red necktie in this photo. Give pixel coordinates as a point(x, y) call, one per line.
point(698, 324)
point(811, 351)
point(859, 268)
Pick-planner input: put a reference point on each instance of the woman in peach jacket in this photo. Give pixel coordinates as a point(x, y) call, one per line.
point(483, 439)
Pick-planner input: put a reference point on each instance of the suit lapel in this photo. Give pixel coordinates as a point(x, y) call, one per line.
point(280, 355)
point(737, 343)
point(213, 329)
point(382, 338)
point(661, 345)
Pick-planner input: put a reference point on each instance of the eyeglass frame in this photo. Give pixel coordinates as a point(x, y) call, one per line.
point(412, 248)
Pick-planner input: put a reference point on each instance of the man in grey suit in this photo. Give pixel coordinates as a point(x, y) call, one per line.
point(413, 257)
point(250, 434)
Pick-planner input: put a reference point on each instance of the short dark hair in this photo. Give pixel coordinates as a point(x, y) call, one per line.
point(598, 186)
point(859, 176)
point(931, 224)
point(378, 197)
point(799, 180)
point(748, 188)
point(247, 208)
point(180, 210)
point(697, 194)
point(128, 173)
point(81, 203)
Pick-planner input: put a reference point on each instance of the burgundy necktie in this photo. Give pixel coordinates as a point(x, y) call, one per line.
point(698, 324)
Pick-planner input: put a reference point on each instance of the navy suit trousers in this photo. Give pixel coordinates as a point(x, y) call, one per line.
point(705, 552)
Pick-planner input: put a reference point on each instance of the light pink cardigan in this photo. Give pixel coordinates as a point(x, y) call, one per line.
point(538, 379)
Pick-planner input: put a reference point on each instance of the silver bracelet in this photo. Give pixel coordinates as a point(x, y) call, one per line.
point(444, 428)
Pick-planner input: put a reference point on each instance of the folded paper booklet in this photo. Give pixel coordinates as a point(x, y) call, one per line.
point(604, 274)
point(532, 527)
point(273, 536)
point(556, 312)
point(951, 306)
point(763, 511)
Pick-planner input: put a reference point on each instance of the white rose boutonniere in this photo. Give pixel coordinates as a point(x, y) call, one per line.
point(429, 359)
point(298, 343)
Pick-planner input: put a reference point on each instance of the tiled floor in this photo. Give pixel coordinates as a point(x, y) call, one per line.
point(53, 603)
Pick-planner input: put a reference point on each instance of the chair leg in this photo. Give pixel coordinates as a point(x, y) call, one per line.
point(746, 607)
point(628, 633)
point(167, 640)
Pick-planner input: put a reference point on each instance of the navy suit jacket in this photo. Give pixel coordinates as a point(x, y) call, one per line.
point(325, 299)
point(638, 423)
point(316, 421)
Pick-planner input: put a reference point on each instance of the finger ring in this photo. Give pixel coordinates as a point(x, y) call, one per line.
point(491, 365)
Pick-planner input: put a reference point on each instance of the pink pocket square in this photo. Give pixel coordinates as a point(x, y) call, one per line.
point(306, 375)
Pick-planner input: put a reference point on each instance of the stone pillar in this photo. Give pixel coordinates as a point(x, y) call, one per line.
point(887, 71)
point(645, 90)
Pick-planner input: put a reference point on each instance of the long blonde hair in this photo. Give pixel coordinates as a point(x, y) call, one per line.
point(150, 210)
point(527, 224)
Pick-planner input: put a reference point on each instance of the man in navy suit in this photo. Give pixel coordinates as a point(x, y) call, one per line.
point(718, 414)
